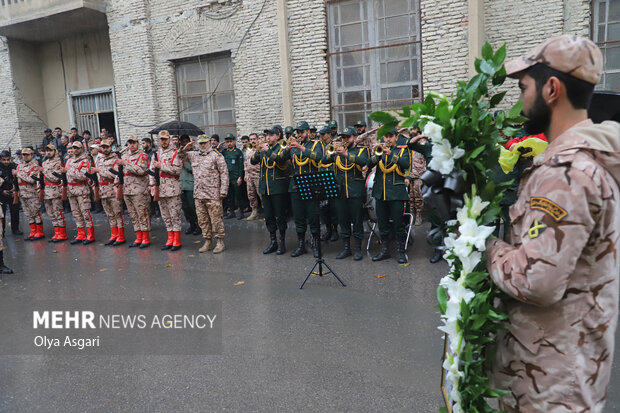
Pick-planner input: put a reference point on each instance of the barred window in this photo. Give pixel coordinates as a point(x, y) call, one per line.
point(205, 94)
point(606, 34)
point(374, 56)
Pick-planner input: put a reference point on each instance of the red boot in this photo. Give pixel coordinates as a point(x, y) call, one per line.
point(55, 237)
point(138, 240)
point(33, 230)
point(62, 234)
point(120, 237)
point(90, 238)
point(39, 234)
point(81, 236)
point(176, 244)
point(146, 241)
point(113, 235)
point(169, 242)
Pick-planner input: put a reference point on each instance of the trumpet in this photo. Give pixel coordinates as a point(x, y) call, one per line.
point(379, 149)
point(284, 144)
point(331, 148)
point(250, 146)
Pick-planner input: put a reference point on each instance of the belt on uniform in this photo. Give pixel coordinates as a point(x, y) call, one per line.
point(104, 183)
point(53, 183)
point(132, 175)
point(168, 176)
point(25, 183)
point(76, 183)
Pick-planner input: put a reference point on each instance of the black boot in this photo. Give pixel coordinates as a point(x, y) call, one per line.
point(357, 249)
point(437, 254)
point(301, 245)
point(192, 227)
point(315, 245)
point(281, 245)
point(3, 268)
point(241, 215)
point(385, 249)
point(346, 250)
point(229, 215)
point(400, 252)
point(334, 237)
point(328, 234)
point(273, 244)
point(197, 230)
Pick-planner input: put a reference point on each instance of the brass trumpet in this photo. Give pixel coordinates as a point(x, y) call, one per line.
point(331, 148)
point(284, 143)
point(379, 150)
point(250, 146)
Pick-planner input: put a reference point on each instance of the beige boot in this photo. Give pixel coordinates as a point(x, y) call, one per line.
point(219, 246)
point(418, 217)
point(208, 246)
point(253, 215)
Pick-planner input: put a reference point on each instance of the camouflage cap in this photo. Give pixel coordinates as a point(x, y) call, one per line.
point(229, 136)
point(570, 54)
point(289, 129)
point(348, 131)
point(360, 123)
point(164, 134)
point(303, 125)
point(50, 146)
point(332, 124)
point(132, 139)
point(77, 144)
point(27, 151)
point(106, 142)
point(203, 139)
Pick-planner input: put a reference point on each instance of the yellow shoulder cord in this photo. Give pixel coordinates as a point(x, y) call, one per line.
point(394, 167)
point(316, 165)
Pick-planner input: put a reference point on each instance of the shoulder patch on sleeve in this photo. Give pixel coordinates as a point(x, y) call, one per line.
point(549, 207)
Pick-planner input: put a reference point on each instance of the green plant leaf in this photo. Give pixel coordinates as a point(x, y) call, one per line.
point(382, 117)
point(487, 51)
point(499, 56)
point(516, 109)
point(496, 99)
point(442, 299)
point(487, 68)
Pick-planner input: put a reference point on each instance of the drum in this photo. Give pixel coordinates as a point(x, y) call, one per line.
point(370, 203)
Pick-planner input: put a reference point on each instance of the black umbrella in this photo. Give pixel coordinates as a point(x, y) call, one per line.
point(177, 127)
point(605, 106)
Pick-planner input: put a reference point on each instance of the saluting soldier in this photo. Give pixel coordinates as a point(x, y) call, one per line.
point(52, 174)
point(79, 193)
point(273, 186)
point(391, 193)
point(329, 215)
point(252, 177)
point(305, 156)
point(170, 166)
point(210, 188)
point(135, 162)
point(28, 194)
point(108, 181)
point(3, 268)
point(349, 162)
point(234, 163)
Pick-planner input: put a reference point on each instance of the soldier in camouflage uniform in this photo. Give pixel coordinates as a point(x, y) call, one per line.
point(53, 192)
point(251, 177)
point(3, 268)
point(561, 268)
point(305, 156)
point(108, 182)
point(79, 193)
point(28, 194)
point(210, 188)
point(416, 202)
point(170, 166)
point(135, 162)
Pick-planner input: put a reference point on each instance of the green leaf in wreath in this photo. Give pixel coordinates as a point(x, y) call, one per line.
point(499, 56)
point(499, 77)
point(386, 128)
point(510, 131)
point(487, 51)
point(516, 110)
point(487, 68)
point(442, 112)
point(476, 152)
point(496, 99)
point(382, 117)
point(442, 299)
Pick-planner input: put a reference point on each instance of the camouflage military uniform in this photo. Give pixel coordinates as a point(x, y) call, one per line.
point(561, 272)
point(112, 206)
point(135, 190)
point(252, 175)
point(28, 192)
point(78, 190)
point(170, 188)
point(418, 167)
point(210, 181)
point(53, 191)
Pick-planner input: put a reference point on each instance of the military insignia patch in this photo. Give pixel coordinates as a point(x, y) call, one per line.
point(549, 207)
point(536, 229)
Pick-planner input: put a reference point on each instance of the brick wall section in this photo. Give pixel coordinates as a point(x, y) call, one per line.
point(8, 108)
point(309, 76)
point(444, 44)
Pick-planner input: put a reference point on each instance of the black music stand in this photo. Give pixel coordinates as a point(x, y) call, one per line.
point(318, 186)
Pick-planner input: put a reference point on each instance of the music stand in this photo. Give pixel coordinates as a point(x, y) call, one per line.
point(318, 186)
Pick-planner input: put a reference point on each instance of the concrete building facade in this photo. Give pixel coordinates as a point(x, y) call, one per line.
point(242, 65)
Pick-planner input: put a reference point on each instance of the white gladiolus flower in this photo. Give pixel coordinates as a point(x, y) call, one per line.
point(470, 262)
point(432, 130)
point(474, 234)
point(462, 215)
point(477, 206)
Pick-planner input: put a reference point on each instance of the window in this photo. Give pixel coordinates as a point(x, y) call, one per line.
point(205, 93)
point(606, 33)
point(374, 56)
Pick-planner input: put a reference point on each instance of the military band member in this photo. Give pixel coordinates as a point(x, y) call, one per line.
point(305, 156)
point(135, 162)
point(170, 166)
point(79, 193)
point(251, 177)
point(288, 132)
point(234, 163)
point(28, 194)
point(333, 128)
point(112, 205)
point(53, 185)
point(3, 268)
point(391, 193)
point(328, 212)
point(349, 162)
point(273, 186)
point(210, 188)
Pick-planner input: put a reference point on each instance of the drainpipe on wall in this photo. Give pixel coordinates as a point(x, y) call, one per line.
point(475, 31)
point(285, 67)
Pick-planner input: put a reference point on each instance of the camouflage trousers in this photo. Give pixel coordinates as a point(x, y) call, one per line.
point(209, 213)
point(114, 210)
point(31, 206)
point(253, 195)
point(80, 209)
point(170, 208)
point(54, 210)
point(139, 208)
point(415, 194)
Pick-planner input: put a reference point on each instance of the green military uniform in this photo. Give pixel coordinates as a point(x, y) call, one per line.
point(328, 211)
point(187, 198)
point(390, 192)
point(234, 164)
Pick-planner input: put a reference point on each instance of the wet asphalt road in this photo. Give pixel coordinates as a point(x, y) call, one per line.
point(371, 346)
